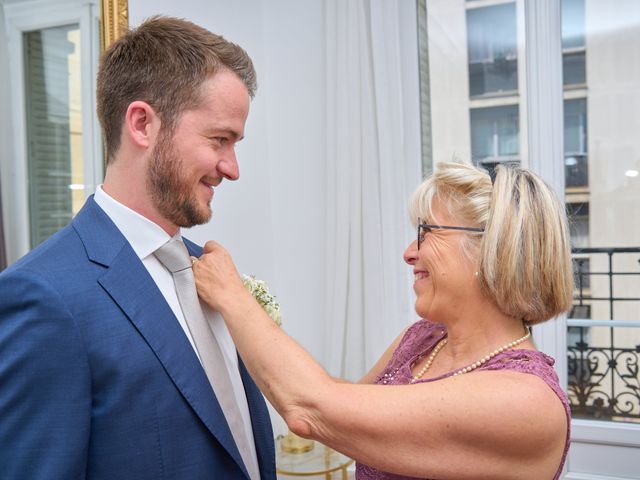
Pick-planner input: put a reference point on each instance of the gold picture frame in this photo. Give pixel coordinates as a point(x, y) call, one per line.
point(115, 20)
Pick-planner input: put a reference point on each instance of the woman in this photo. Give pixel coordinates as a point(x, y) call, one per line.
point(463, 393)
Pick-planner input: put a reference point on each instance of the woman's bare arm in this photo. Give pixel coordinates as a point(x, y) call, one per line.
point(480, 425)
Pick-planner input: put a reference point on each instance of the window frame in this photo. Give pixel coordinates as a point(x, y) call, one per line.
point(35, 15)
point(545, 114)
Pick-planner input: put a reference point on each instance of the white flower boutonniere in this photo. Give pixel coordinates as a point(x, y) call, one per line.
point(260, 291)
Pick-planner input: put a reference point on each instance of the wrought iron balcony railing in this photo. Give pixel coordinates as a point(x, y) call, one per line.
point(604, 352)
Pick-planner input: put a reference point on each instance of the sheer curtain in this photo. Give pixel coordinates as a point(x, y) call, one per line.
point(373, 164)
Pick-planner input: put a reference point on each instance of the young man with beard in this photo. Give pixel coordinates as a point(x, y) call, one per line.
point(104, 373)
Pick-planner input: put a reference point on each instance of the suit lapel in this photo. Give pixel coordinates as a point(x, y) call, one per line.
point(260, 419)
point(131, 287)
point(261, 424)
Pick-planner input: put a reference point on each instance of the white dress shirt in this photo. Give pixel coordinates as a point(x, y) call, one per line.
point(145, 237)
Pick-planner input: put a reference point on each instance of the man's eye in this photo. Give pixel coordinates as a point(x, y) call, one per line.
point(220, 140)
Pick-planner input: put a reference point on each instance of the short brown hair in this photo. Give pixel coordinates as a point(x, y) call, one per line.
point(524, 256)
point(163, 62)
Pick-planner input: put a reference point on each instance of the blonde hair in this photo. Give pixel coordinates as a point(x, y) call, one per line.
point(523, 257)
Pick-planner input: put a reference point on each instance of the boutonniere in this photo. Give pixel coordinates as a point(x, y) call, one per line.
point(260, 291)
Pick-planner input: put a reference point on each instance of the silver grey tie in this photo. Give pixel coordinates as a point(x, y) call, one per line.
point(175, 257)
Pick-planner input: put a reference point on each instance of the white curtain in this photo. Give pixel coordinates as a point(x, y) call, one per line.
point(373, 164)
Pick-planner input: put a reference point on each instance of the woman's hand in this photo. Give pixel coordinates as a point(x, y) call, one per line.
point(217, 279)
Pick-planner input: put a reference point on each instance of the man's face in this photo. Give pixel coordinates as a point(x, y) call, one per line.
point(185, 167)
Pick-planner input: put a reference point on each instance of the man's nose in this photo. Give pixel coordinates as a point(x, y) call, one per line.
point(228, 166)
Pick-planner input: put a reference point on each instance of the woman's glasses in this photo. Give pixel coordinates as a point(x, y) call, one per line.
point(426, 228)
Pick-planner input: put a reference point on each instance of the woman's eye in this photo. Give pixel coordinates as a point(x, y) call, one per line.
point(423, 231)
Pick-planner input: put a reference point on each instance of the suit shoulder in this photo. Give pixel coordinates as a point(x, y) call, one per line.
point(59, 246)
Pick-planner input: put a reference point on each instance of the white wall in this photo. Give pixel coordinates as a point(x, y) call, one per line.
point(270, 218)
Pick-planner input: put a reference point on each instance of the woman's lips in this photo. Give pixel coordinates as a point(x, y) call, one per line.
point(420, 274)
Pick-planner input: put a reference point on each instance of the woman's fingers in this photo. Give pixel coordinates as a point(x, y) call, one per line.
point(217, 279)
point(211, 245)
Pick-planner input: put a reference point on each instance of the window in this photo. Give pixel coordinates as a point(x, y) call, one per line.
point(54, 128)
point(575, 143)
point(578, 214)
point(573, 44)
point(56, 149)
point(601, 162)
point(494, 134)
point(491, 37)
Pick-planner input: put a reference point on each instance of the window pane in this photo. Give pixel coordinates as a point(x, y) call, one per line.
point(494, 133)
point(54, 134)
point(602, 165)
point(470, 101)
point(491, 35)
point(575, 144)
point(603, 372)
point(572, 23)
point(579, 224)
point(574, 68)
point(573, 42)
point(575, 127)
point(471, 109)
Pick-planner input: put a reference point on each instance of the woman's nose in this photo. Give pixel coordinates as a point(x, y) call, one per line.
point(411, 253)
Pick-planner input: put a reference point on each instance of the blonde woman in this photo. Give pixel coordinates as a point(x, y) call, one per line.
point(462, 393)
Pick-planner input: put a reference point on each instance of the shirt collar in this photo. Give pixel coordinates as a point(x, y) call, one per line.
point(144, 236)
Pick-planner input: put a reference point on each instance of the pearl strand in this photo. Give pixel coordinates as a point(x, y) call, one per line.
point(473, 365)
point(435, 351)
point(488, 357)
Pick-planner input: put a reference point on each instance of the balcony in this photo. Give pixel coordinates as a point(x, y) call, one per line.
point(603, 338)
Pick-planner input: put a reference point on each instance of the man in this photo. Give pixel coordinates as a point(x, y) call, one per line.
point(104, 373)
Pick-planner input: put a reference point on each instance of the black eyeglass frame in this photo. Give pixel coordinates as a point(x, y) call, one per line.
point(426, 226)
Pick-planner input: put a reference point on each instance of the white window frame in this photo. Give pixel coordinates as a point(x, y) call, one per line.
point(27, 16)
point(544, 92)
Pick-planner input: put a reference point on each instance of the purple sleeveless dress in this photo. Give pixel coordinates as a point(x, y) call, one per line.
point(420, 339)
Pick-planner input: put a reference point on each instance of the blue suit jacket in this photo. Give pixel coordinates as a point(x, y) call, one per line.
point(97, 378)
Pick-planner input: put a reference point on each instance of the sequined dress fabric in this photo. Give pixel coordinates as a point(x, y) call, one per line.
point(421, 338)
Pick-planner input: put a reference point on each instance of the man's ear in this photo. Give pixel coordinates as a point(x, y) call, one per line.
point(141, 124)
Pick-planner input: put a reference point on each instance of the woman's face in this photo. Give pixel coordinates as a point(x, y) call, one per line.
point(443, 274)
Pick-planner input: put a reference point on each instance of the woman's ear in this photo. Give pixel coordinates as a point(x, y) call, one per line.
point(141, 124)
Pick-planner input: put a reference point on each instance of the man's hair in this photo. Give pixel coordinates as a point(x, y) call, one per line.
point(524, 256)
point(163, 62)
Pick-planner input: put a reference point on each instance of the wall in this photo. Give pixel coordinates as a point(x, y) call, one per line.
point(271, 218)
point(281, 158)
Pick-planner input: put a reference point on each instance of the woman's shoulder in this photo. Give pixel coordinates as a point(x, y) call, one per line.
point(516, 401)
point(425, 328)
point(420, 336)
point(528, 361)
point(535, 364)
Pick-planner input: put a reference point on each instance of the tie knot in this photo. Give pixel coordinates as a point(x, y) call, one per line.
point(174, 256)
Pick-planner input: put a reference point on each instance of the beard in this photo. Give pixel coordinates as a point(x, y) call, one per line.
point(172, 193)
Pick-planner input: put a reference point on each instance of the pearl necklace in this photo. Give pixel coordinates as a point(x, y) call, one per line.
point(473, 365)
point(435, 351)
